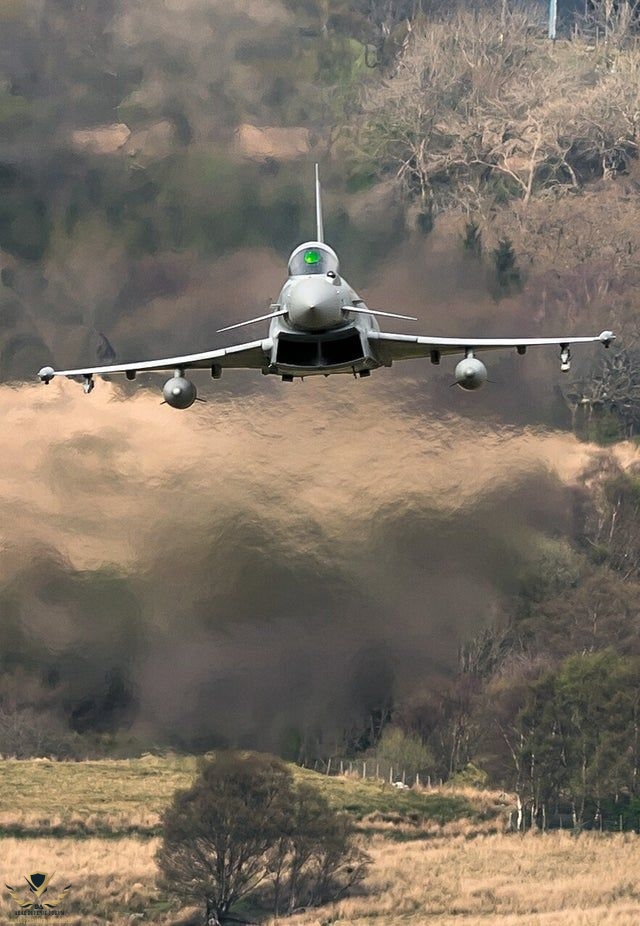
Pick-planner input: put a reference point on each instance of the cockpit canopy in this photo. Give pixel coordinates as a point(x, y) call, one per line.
point(313, 257)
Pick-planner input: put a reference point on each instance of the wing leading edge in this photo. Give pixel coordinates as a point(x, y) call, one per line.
point(254, 355)
point(390, 347)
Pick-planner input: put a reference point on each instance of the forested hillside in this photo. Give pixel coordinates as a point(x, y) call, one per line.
point(155, 169)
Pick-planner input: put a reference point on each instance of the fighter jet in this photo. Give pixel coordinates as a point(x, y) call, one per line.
point(320, 326)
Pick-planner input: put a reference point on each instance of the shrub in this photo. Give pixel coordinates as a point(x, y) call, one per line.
point(405, 752)
point(245, 831)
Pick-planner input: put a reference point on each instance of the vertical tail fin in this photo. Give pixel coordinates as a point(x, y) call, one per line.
point(319, 222)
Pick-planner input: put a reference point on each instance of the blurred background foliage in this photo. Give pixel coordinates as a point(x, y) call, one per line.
point(155, 158)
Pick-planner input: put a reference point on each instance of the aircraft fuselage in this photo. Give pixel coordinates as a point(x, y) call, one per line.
point(325, 323)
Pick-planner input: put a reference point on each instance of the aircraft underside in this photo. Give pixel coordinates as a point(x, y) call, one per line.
point(343, 351)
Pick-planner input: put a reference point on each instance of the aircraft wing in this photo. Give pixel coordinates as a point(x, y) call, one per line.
point(253, 356)
point(390, 347)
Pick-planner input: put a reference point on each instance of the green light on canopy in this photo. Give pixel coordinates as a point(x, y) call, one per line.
point(312, 256)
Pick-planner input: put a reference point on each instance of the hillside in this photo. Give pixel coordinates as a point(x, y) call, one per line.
point(302, 571)
point(121, 798)
point(93, 823)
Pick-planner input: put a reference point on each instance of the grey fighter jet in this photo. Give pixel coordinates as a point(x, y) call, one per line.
point(320, 325)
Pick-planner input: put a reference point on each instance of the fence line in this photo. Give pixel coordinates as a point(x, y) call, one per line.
point(543, 821)
point(373, 769)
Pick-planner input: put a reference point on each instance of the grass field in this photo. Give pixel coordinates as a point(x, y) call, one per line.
point(126, 797)
point(119, 797)
point(438, 857)
point(508, 880)
point(446, 881)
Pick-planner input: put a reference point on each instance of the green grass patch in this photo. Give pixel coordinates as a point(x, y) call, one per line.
point(361, 798)
point(65, 791)
point(125, 797)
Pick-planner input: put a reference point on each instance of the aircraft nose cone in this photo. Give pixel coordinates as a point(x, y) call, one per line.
point(314, 304)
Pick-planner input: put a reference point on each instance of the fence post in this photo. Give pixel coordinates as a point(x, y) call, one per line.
point(404, 781)
point(417, 780)
point(341, 767)
point(391, 774)
point(377, 770)
point(329, 766)
point(364, 768)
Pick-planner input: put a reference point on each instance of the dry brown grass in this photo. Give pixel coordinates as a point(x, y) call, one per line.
point(512, 880)
point(436, 855)
point(110, 878)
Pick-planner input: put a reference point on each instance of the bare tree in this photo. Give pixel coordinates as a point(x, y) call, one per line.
point(470, 100)
point(613, 388)
point(616, 20)
point(479, 106)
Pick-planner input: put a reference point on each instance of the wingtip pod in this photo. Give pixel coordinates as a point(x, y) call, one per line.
point(606, 337)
